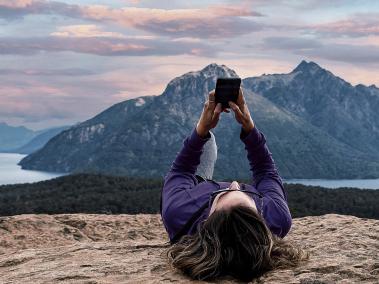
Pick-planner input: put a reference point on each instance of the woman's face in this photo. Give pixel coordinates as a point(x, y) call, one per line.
point(225, 200)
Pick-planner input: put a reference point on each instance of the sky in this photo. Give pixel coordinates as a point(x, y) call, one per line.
point(62, 62)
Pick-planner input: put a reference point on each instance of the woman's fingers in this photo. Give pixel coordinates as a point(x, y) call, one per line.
point(218, 109)
point(240, 99)
point(211, 101)
point(217, 112)
point(236, 110)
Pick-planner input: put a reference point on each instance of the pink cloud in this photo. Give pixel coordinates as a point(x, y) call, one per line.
point(16, 3)
point(214, 21)
point(34, 101)
point(85, 31)
point(18, 8)
point(37, 102)
point(358, 25)
point(133, 16)
point(104, 46)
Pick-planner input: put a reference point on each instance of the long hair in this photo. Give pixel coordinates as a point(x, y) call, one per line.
point(233, 242)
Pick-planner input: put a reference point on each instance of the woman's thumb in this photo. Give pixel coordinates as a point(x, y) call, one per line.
point(235, 108)
point(232, 105)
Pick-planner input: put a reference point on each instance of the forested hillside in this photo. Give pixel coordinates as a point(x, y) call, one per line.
point(87, 193)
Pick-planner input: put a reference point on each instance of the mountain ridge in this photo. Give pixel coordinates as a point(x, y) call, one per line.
point(141, 136)
point(328, 102)
point(22, 140)
point(14, 136)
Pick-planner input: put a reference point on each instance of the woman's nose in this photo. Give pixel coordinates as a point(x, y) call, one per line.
point(234, 185)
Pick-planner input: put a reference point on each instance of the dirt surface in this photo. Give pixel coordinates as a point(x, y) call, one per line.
point(93, 248)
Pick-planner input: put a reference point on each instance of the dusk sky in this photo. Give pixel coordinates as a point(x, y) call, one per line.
point(65, 61)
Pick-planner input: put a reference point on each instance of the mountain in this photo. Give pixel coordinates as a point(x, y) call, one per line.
point(13, 137)
point(347, 113)
point(140, 137)
point(40, 140)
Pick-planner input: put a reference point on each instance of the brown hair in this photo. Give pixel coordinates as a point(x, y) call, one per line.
point(233, 242)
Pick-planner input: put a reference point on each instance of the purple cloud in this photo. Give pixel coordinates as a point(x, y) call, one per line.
point(104, 46)
point(357, 25)
point(47, 72)
point(215, 21)
point(368, 54)
point(18, 8)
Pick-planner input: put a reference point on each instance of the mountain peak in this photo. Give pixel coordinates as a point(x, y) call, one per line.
point(216, 70)
point(196, 80)
point(309, 67)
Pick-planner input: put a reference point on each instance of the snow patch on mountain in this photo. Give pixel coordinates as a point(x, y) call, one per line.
point(87, 133)
point(272, 80)
point(140, 102)
point(215, 70)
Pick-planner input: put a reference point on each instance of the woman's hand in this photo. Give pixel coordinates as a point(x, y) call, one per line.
point(242, 113)
point(210, 115)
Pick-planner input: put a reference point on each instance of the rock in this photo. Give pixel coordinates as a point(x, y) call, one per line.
point(91, 248)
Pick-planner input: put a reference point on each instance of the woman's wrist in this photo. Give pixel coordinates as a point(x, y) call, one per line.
point(201, 131)
point(248, 126)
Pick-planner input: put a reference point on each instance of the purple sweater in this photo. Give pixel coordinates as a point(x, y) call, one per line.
point(183, 195)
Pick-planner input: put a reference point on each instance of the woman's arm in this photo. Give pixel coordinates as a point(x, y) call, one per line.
point(177, 205)
point(266, 178)
point(178, 180)
point(188, 158)
point(260, 158)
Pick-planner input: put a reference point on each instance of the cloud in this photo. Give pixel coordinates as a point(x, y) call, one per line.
point(47, 72)
point(213, 21)
point(104, 46)
point(11, 10)
point(29, 100)
point(291, 43)
point(133, 2)
point(39, 102)
point(85, 31)
point(358, 25)
point(358, 54)
point(216, 21)
point(364, 54)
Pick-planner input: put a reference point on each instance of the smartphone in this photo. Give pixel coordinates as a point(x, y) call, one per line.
point(227, 89)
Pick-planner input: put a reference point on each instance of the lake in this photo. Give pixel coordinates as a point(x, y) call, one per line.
point(11, 173)
point(335, 183)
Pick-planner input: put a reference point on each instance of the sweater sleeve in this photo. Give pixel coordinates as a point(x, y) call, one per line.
point(260, 159)
point(188, 159)
point(176, 202)
point(267, 181)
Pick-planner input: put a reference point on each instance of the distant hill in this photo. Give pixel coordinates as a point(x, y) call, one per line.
point(13, 137)
point(316, 124)
point(19, 139)
point(40, 140)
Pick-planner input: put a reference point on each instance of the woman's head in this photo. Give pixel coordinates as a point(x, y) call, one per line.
point(228, 199)
point(233, 241)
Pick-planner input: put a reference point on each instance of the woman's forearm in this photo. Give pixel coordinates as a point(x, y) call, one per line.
point(248, 126)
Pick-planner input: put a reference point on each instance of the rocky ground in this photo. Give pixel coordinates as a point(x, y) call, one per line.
point(92, 248)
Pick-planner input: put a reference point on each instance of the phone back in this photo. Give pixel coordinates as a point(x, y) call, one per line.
point(227, 89)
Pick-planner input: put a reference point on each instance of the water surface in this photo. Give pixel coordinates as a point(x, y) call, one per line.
point(335, 183)
point(11, 173)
